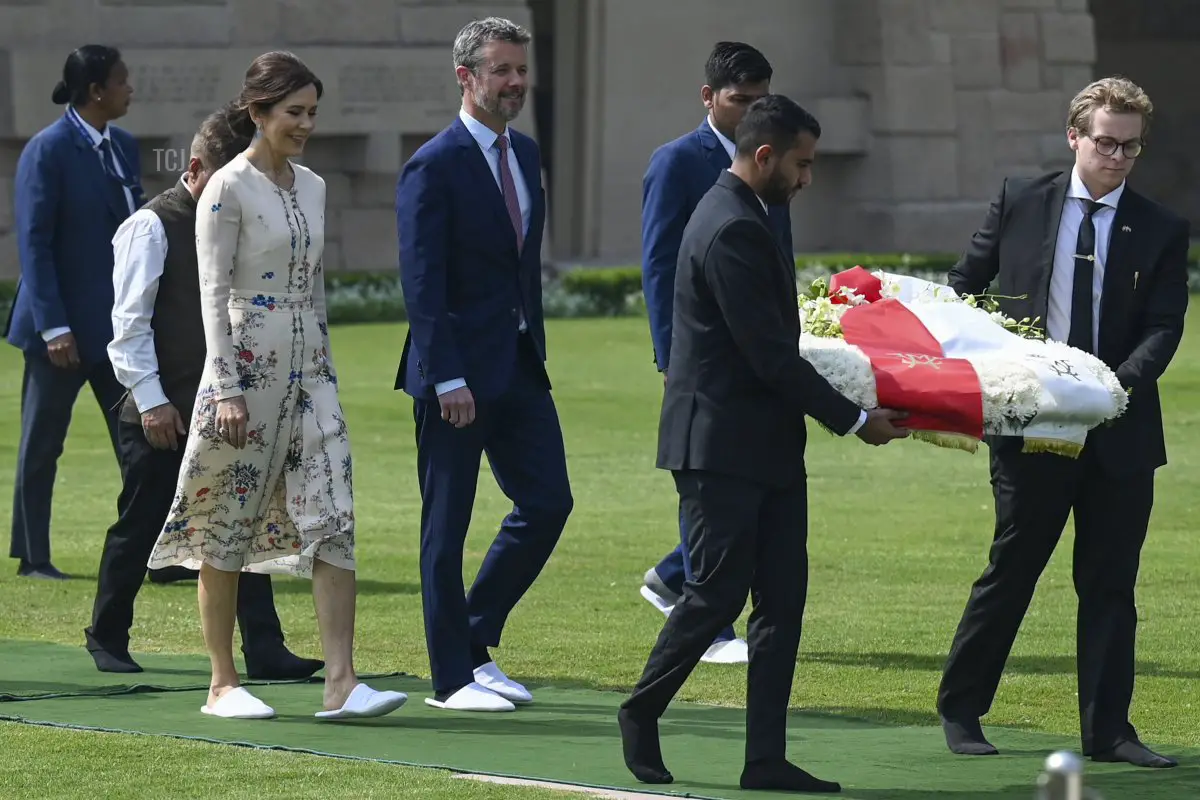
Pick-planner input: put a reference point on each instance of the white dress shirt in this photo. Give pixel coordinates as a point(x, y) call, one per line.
point(862, 415)
point(486, 138)
point(139, 254)
point(97, 138)
point(1062, 275)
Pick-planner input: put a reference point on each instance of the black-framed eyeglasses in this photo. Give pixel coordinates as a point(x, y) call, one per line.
point(1107, 146)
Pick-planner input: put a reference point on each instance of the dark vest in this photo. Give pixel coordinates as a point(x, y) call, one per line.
point(178, 325)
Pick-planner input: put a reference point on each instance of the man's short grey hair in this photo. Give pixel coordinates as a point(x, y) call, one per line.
point(476, 34)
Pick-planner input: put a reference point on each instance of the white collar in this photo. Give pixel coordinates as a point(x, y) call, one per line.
point(480, 132)
point(1078, 190)
point(729, 146)
point(97, 136)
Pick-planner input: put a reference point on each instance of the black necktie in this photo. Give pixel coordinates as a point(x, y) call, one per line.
point(1080, 336)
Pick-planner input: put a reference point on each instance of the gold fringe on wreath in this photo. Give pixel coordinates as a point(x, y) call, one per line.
point(1056, 446)
point(951, 441)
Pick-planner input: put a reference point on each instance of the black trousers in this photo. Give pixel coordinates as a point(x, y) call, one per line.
point(746, 538)
point(1034, 495)
point(146, 495)
point(48, 395)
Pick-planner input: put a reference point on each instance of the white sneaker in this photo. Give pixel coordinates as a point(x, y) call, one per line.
point(731, 651)
point(472, 697)
point(490, 677)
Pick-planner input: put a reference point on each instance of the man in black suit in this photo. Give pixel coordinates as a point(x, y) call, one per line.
point(1107, 269)
point(732, 433)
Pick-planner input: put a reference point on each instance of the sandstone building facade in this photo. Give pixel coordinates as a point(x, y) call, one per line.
point(925, 103)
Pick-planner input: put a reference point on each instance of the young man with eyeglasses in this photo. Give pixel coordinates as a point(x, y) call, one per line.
point(1106, 268)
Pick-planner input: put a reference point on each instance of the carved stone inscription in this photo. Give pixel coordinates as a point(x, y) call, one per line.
point(367, 90)
point(370, 88)
point(177, 83)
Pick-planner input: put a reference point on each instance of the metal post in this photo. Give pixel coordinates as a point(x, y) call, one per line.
point(1062, 778)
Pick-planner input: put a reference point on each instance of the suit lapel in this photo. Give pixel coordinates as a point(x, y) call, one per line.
point(747, 196)
point(1118, 270)
point(714, 151)
point(1054, 197)
point(481, 174)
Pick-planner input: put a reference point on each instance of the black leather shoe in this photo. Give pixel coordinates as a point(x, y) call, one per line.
point(1134, 753)
point(46, 572)
point(964, 736)
point(109, 661)
point(784, 776)
point(280, 665)
point(640, 745)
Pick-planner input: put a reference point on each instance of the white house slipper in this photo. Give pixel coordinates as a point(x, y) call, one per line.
point(239, 704)
point(490, 677)
point(366, 702)
point(472, 697)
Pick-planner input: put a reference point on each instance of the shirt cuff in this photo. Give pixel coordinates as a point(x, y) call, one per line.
point(449, 386)
point(149, 394)
point(54, 333)
point(862, 418)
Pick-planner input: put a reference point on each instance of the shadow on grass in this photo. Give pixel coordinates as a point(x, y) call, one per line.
point(1019, 665)
point(292, 586)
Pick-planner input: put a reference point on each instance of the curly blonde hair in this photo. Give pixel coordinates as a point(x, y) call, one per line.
point(1117, 95)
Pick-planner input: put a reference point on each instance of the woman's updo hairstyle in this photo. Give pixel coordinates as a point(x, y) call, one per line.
point(92, 63)
point(270, 78)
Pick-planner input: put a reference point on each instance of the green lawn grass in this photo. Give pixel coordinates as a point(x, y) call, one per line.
point(897, 535)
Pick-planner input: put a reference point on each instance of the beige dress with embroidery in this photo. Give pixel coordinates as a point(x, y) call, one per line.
point(287, 497)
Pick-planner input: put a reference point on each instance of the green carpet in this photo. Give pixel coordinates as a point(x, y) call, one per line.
point(41, 670)
point(570, 736)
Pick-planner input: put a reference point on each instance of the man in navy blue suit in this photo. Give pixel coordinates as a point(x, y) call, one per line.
point(76, 181)
point(680, 173)
point(470, 210)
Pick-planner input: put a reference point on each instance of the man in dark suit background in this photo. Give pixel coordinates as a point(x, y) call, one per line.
point(76, 181)
point(470, 211)
point(1107, 269)
point(679, 174)
point(733, 434)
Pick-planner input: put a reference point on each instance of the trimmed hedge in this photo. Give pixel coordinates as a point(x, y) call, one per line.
point(599, 291)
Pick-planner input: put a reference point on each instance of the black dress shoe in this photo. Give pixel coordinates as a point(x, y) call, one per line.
point(784, 776)
point(172, 574)
point(1134, 753)
point(281, 665)
point(108, 661)
point(964, 736)
point(47, 572)
point(640, 745)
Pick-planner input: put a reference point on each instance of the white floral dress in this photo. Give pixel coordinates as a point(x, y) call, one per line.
point(287, 497)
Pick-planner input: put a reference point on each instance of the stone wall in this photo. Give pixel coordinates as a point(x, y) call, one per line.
point(385, 64)
point(962, 93)
point(926, 104)
point(1157, 44)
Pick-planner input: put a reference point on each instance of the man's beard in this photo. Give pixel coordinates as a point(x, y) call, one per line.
point(778, 191)
point(493, 103)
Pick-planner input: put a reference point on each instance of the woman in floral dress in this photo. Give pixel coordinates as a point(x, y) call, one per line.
point(266, 478)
